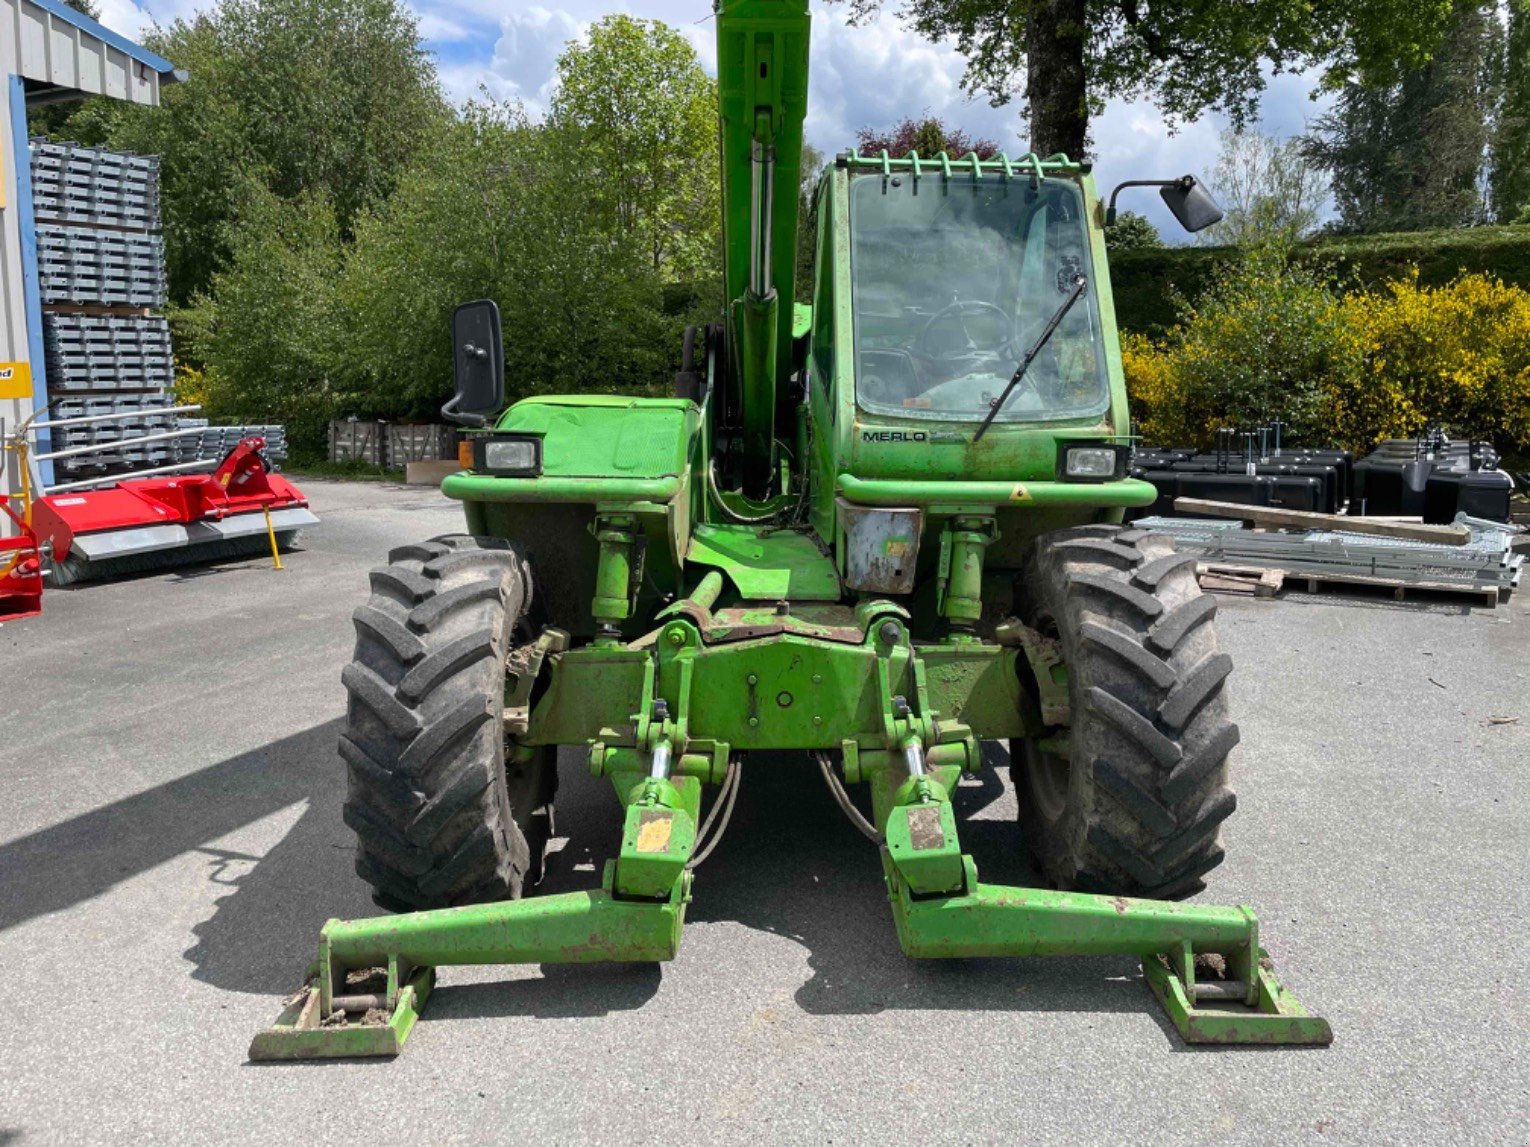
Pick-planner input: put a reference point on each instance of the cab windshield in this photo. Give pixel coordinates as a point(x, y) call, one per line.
point(953, 279)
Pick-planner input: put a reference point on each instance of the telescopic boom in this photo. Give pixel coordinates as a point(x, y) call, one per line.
point(762, 79)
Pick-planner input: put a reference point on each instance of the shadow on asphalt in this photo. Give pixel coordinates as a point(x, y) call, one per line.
point(85, 856)
point(791, 865)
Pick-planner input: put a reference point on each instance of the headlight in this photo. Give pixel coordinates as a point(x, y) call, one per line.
point(1092, 462)
point(519, 456)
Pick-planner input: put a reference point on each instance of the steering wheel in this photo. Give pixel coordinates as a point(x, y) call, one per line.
point(964, 307)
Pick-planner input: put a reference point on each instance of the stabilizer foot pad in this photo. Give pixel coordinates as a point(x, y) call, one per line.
point(1277, 1018)
point(300, 1033)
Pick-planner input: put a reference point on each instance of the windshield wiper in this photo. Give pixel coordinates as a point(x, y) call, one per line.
point(1079, 283)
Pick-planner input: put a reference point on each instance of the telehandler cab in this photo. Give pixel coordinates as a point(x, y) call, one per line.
point(878, 530)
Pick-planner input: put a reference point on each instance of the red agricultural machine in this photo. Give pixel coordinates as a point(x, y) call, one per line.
point(111, 526)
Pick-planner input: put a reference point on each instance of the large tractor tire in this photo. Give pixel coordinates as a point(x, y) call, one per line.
point(438, 818)
point(1136, 806)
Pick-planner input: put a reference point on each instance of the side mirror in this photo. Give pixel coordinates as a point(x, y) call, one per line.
point(1191, 203)
point(478, 363)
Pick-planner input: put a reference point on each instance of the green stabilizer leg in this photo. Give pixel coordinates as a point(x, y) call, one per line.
point(373, 976)
point(1235, 1000)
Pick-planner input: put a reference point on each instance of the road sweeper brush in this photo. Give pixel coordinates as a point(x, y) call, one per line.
point(135, 523)
point(878, 531)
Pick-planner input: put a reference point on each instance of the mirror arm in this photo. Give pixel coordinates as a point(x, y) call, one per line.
point(1110, 211)
point(452, 414)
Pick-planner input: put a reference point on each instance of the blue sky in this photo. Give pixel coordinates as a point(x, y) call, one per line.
point(861, 76)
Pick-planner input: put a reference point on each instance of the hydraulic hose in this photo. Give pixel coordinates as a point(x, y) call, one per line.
point(842, 798)
point(706, 840)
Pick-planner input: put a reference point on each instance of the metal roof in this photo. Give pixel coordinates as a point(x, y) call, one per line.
point(63, 53)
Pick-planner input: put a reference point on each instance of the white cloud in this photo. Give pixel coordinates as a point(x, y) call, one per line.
point(125, 17)
point(134, 19)
point(868, 76)
point(528, 46)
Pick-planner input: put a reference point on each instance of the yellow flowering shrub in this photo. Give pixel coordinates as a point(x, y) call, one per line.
point(1266, 340)
point(190, 385)
point(1456, 355)
point(1271, 341)
point(1157, 406)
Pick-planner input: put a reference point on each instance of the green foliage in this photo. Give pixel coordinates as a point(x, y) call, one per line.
point(290, 96)
point(1265, 340)
point(644, 115)
point(1145, 282)
point(1272, 338)
point(1272, 192)
point(495, 210)
point(325, 212)
point(812, 169)
point(1408, 154)
point(1186, 58)
point(1132, 232)
point(1510, 185)
point(268, 333)
point(929, 136)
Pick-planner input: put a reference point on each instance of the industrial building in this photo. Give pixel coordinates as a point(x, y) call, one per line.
point(50, 53)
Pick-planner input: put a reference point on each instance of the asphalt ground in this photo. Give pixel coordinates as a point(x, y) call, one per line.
point(171, 843)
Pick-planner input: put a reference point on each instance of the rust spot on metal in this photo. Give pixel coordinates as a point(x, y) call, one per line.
point(1119, 904)
point(654, 827)
point(924, 831)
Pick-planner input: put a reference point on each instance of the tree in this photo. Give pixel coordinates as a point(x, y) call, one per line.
point(1186, 58)
point(1271, 190)
point(293, 96)
point(1510, 184)
point(928, 137)
point(267, 335)
point(488, 211)
point(1409, 155)
point(809, 173)
point(647, 114)
point(1132, 232)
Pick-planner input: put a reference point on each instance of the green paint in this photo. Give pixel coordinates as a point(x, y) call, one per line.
point(614, 581)
point(469, 487)
point(766, 567)
point(995, 495)
point(687, 635)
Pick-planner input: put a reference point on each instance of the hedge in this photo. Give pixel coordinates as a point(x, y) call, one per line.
point(1144, 281)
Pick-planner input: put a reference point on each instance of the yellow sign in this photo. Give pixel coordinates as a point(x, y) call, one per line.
point(15, 380)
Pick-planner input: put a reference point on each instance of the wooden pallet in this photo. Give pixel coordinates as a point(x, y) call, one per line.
point(1266, 582)
point(1246, 582)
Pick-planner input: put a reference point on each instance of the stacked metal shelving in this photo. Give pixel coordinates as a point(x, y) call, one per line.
point(108, 352)
point(216, 441)
point(94, 266)
point(101, 270)
point(101, 275)
point(89, 185)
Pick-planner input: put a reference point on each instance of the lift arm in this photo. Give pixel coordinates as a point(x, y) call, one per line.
point(762, 79)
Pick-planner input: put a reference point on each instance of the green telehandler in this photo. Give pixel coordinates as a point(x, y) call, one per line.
point(879, 530)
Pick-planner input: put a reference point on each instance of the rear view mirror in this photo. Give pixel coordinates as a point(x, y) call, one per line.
point(478, 363)
point(1191, 203)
